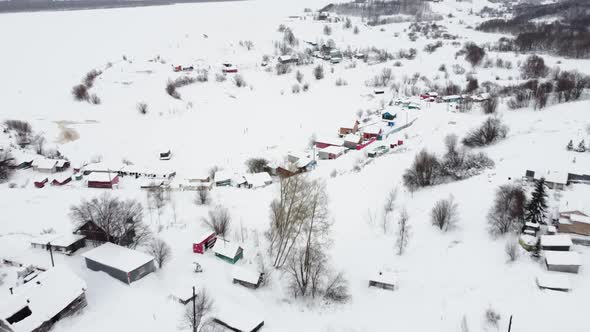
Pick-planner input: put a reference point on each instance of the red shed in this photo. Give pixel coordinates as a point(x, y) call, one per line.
point(62, 181)
point(102, 180)
point(41, 184)
point(205, 241)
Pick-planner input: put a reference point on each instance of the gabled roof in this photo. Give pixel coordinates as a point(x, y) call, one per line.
point(49, 293)
point(221, 176)
point(101, 177)
point(258, 179)
point(384, 278)
point(580, 219)
point(226, 249)
point(352, 138)
point(559, 240)
point(331, 141)
point(120, 258)
point(333, 149)
point(562, 258)
point(44, 163)
point(58, 240)
point(246, 274)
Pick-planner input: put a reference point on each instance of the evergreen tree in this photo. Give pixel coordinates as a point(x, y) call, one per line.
point(535, 209)
point(570, 145)
point(582, 146)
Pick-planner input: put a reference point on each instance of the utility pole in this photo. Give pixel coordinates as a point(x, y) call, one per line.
point(50, 253)
point(510, 324)
point(194, 310)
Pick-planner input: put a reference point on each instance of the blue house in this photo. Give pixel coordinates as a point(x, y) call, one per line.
point(388, 116)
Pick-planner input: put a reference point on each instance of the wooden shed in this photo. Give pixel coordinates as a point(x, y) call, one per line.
point(247, 277)
point(61, 181)
point(227, 251)
point(204, 242)
point(562, 261)
point(388, 116)
point(559, 242)
point(119, 262)
point(385, 280)
point(102, 180)
point(96, 234)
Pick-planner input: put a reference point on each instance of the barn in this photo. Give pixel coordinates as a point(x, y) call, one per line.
point(385, 280)
point(559, 242)
point(119, 262)
point(204, 242)
point(102, 180)
point(64, 243)
point(35, 306)
point(247, 277)
point(331, 152)
point(227, 251)
point(562, 261)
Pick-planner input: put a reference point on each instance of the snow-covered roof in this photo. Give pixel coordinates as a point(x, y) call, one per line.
point(554, 281)
point(388, 278)
point(183, 292)
point(226, 249)
point(532, 225)
point(104, 167)
point(246, 274)
point(58, 240)
point(373, 129)
point(118, 257)
point(579, 218)
point(551, 229)
point(61, 163)
point(51, 292)
point(238, 319)
point(204, 236)
point(221, 176)
point(333, 149)
point(451, 97)
point(331, 141)
point(43, 163)
point(303, 162)
point(352, 138)
point(258, 179)
point(562, 258)
point(552, 176)
point(559, 240)
point(101, 177)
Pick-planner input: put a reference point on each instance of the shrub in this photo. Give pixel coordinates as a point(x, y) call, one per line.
point(491, 131)
point(202, 76)
point(142, 107)
point(239, 81)
point(425, 171)
point(341, 82)
point(444, 214)
point(490, 106)
point(90, 77)
point(256, 165)
point(356, 30)
point(305, 87)
point(171, 90)
point(295, 88)
point(347, 23)
point(220, 77)
point(318, 72)
point(94, 99)
point(80, 92)
point(512, 250)
point(327, 30)
point(282, 68)
point(299, 76)
point(6, 166)
point(472, 85)
point(534, 67)
point(473, 53)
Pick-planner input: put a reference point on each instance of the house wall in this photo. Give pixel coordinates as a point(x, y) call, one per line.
point(563, 268)
point(117, 274)
point(556, 248)
point(381, 285)
point(142, 271)
point(575, 228)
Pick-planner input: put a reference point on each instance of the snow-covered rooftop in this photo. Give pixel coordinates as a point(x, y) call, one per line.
point(558, 240)
point(221, 176)
point(384, 278)
point(558, 177)
point(47, 295)
point(59, 240)
point(353, 138)
point(204, 236)
point(330, 140)
point(554, 281)
point(248, 275)
point(226, 249)
point(333, 149)
point(258, 179)
point(579, 218)
point(118, 257)
point(562, 258)
point(43, 163)
point(101, 177)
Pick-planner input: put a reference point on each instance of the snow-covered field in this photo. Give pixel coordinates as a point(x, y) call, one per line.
point(443, 277)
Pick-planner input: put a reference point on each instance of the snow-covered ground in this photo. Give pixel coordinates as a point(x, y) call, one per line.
point(443, 277)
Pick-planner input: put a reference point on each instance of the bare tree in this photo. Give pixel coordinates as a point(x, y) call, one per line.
point(425, 171)
point(158, 199)
point(507, 213)
point(490, 106)
point(6, 166)
point(491, 131)
point(219, 221)
point(203, 196)
point(195, 313)
point(122, 221)
point(388, 209)
point(337, 289)
point(80, 92)
point(511, 249)
point(160, 250)
point(444, 214)
point(256, 165)
point(403, 232)
point(318, 72)
point(142, 107)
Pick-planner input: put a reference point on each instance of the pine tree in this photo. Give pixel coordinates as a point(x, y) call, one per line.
point(535, 209)
point(582, 146)
point(570, 145)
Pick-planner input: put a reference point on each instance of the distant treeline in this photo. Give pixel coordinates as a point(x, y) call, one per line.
point(373, 10)
point(13, 6)
point(567, 36)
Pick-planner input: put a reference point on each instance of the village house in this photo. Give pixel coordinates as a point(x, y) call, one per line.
point(287, 59)
point(63, 243)
point(345, 130)
point(385, 280)
point(372, 131)
point(204, 241)
point(228, 251)
point(326, 142)
point(60, 181)
point(92, 232)
point(559, 242)
point(257, 180)
point(247, 277)
point(62, 165)
point(35, 306)
point(166, 155)
point(222, 178)
point(562, 261)
point(553, 179)
point(119, 262)
point(352, 141)
point(102, 180)
point(331, 152)
point(45, 165)
point(388, 116)
point(574, 222)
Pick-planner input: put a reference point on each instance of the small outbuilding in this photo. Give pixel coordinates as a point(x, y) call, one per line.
point(554, 281)
point(322, 143)
point(60, 181)
point(247, 277)
point(331, 152)
point(204, 242)
point(559, 242)
point(562, 261)
point(575, 222)
point(385, 280)
point(102, 180)
point(228, 251)
point(345, 130)
point(119, 262)
point(62, 165)
point(388, 116)
point(64, 243)
point(166, 155)
point(222, 179)
point(183, 294)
